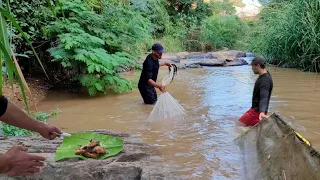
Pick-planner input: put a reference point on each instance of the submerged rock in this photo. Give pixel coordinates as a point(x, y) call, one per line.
point(137, 161)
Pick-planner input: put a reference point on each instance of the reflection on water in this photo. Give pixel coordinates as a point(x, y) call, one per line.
point(200, 146)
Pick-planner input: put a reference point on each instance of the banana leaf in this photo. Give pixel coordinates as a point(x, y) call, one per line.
point(114, 145)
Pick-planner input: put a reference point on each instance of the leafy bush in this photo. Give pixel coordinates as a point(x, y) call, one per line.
point(176, 35)
point(191, 26)
point(95, 46)
point(31, 16)
point(9, 130)
point(222, 31)
point(155, 11)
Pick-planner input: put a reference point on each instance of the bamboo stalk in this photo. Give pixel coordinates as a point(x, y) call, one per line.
point(23, 80)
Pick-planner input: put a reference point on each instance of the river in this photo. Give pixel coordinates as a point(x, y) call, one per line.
point(200, 146)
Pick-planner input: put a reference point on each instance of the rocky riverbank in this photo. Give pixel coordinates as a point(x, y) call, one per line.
point(219, 58)
point(137, 161)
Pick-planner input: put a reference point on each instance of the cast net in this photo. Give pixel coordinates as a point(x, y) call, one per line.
point(167, 107)
point(273, 150)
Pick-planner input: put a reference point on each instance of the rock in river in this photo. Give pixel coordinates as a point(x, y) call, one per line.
point(201, 56)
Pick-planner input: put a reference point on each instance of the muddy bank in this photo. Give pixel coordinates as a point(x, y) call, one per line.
point(37, 87)
point(137, 161)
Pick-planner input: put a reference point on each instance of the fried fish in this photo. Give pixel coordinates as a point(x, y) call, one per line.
point(92, 150)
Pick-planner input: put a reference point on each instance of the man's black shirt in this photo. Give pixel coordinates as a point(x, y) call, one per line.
point(150, 71)
point(262, 93)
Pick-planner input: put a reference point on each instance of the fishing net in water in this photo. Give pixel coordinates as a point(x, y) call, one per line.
point(167, 107)
point(272, 150)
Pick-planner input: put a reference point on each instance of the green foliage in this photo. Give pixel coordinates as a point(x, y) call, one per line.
point(222, 31)
point(222, 8)
point(9, 130)
point(179, 6)
point(31, 16)
point(89, 42)
point(96, 46)
point(192, 27)
point(155, 11)
point(288, 32)
point(6, 52)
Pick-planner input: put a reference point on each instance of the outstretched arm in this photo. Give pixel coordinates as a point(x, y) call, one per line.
point(15, 116)
point(164, 63)
point(17, 162)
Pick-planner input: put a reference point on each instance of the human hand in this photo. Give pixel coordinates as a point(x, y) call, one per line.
point(168, 64)
point(162, 88)
point(49, 131)
point(20, 163)
point(262, 116)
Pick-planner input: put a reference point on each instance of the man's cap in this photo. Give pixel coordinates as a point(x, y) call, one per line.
point(158, 48)
point(258, 60)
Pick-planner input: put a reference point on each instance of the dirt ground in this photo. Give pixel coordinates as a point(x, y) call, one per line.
point(36, 86)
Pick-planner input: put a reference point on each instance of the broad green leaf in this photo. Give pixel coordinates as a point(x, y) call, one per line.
point(8, 62)
point(12, 69)
point(5, 47)
point(114, 145)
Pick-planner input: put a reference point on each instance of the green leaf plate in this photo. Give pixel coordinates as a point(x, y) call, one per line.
point(66, 150)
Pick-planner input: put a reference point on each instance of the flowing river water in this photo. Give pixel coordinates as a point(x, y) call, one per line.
point(200, 146)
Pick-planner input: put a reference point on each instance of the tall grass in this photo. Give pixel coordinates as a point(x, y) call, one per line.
point(288, 33)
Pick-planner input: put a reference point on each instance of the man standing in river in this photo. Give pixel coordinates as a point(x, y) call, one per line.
point(149, 74)
point(261, 93)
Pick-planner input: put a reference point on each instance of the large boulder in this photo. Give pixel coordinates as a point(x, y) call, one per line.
point(136, 161)
point(201, 56)
point(212, 62)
